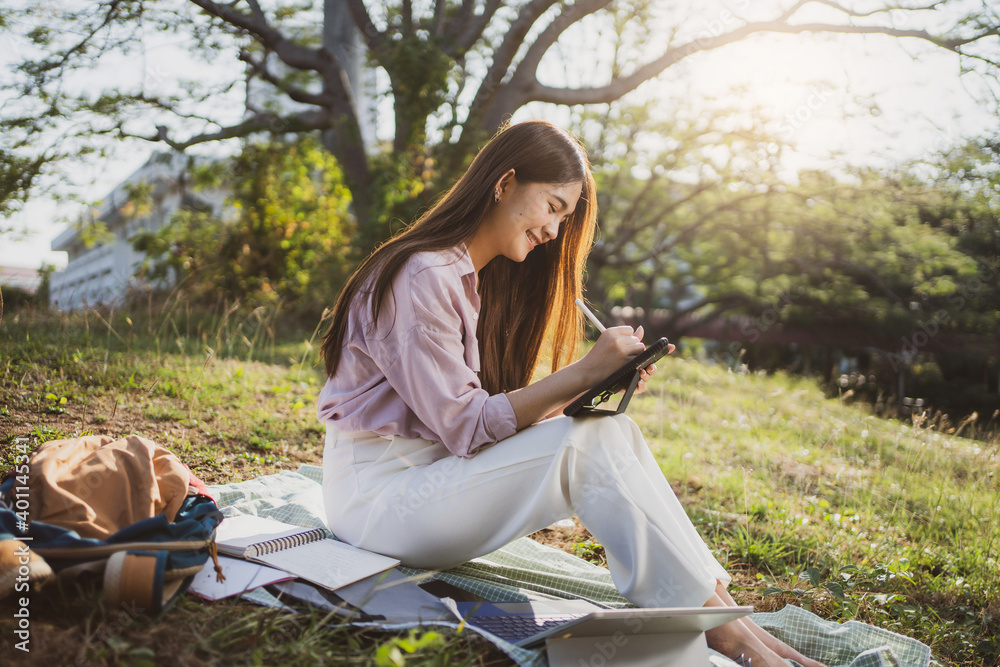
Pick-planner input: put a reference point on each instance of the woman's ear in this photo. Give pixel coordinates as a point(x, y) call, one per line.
point(505, 180)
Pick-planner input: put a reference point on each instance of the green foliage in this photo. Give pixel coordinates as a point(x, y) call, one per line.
point(863, 257)
point(590, 550)
point(394, 652)
point(962, 200)
point(44, 286)
point(13, 299)
point(849, 587)
point(284, 238)
point(405, 184)
point(684, 205)
point(421, 69)
point(17, 178)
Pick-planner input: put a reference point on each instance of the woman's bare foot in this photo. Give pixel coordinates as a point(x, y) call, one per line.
point(778, 646)
point(770, 641)
point(735, 639)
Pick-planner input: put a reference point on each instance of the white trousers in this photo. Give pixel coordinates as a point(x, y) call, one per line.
point(413, 500)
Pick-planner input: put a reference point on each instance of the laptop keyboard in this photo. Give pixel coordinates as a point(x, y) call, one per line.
point(515, 628)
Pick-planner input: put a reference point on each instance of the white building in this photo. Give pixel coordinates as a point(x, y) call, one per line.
point(104, 272)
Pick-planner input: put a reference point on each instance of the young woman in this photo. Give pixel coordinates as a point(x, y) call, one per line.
point(438, 449)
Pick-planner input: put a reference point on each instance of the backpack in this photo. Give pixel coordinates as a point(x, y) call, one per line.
point(126, 510)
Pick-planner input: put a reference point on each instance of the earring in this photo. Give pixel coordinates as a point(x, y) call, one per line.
point(496, 195)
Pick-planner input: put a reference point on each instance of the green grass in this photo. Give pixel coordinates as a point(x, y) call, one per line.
point(808, 500)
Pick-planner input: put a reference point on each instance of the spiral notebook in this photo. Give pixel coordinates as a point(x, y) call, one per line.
point(309, 554)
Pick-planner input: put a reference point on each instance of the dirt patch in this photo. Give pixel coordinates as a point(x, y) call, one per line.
point(573, 539)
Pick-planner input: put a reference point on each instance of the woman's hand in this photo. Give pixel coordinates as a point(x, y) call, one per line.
point(615, 346)
point(648, 371)
point(644, 376)
point(551, 394)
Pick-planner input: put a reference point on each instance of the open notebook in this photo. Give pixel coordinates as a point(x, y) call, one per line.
point(309, 554)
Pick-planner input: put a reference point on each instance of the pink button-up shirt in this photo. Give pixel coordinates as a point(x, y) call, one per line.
point(416, 374)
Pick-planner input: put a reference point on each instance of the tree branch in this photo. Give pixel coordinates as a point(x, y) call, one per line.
point(301, 122)
point(723, 303)
point(464, 15)
point(657, 251)
point(472, 31)
point(363, 20)
point(625, 231)
point(619, 86)
point(256, 11)
point(292, 54)
point(80, 46)
point(168, 106)
point(339, 101)
point(504, 54)
point(437, 22)
point(294, 92)
point(862, 15)
point(528, 67)
point(407, 18)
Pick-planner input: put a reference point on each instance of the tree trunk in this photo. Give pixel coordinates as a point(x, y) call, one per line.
point(341, 38)
point(348, 138)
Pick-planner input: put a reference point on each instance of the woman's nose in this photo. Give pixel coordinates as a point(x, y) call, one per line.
point(551, 230)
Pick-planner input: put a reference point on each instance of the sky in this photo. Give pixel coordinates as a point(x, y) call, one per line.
point(812, 83)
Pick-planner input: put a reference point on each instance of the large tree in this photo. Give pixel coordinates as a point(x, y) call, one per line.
point(455, 70)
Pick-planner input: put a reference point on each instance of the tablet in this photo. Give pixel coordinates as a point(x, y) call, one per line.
point(640, 620)
point(626, 377)
point(530, 624)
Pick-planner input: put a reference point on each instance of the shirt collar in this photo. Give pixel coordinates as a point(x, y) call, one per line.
point(467, 271)
point(464, 266)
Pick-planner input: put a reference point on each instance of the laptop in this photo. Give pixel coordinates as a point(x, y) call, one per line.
point(532, 624)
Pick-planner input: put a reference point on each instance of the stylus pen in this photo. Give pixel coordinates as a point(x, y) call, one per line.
point(590, 316)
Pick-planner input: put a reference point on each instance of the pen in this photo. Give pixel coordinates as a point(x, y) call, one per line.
point(590, 316)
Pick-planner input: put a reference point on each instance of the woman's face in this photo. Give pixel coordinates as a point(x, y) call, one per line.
point(530, 214)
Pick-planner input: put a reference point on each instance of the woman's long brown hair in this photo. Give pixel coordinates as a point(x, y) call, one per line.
point(522, 303)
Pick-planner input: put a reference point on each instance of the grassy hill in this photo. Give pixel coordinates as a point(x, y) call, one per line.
point(810, 501)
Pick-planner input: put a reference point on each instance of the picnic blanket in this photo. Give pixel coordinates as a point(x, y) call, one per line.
point(527, 570)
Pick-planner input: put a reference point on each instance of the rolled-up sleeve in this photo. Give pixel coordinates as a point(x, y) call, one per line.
point(422, 353)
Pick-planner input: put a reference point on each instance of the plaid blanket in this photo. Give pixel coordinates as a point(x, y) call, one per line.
point(526, 570)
